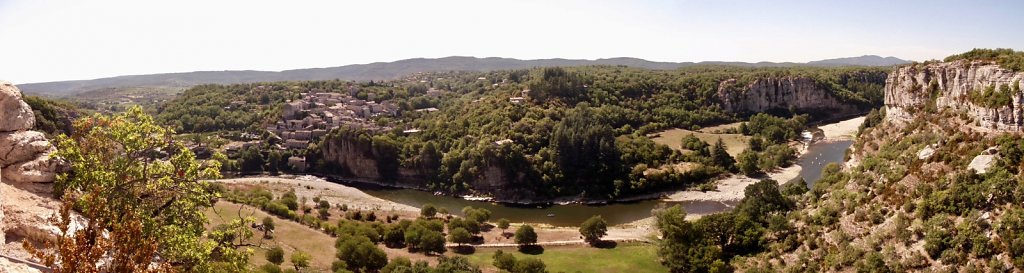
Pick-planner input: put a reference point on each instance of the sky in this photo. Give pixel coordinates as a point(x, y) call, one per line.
point(53, 40)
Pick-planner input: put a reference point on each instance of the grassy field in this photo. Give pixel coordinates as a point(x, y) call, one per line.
point(632, 258)
point(289, 235)
point(734, 143)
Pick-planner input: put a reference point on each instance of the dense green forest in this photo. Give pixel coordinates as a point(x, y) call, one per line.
point(1006, 58)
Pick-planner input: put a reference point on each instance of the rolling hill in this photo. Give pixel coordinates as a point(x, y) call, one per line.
point(383, 71)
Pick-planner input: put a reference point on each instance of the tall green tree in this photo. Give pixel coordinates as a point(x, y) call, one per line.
point(720, 156)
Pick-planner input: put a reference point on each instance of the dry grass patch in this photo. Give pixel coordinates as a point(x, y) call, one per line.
point(734, 143)
point(291, 236)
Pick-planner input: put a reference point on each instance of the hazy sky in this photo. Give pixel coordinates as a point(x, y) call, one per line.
point(44, 40)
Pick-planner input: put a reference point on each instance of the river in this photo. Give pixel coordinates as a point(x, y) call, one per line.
point(817, 156)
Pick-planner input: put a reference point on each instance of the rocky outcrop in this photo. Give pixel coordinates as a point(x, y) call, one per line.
point(782, 93)
point(24, 155)
point(15, 114)
point(950, 85)
point(26, 171)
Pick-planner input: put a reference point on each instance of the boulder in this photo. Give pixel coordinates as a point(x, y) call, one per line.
point(39, 170)
point(22, 146)
point(15, 114)
point(981, 163)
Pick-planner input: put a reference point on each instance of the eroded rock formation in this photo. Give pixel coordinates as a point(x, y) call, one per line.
point(951, 85)
point(26, 172)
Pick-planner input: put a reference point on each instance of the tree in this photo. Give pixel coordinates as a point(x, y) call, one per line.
point(692, 143)
point(274, 162)
point(394, 236)
point(251, 160)
point(359, 253)
point(275, 255)
point(459, 236)
point(762, 199)
point(428, 211)
point(455, 264)
point(504, 261)
point(480, 215)
point(503, 224)
point(323, 213)
point(432, 242)
point(268, 226)
point(300, 260)
point(683, 247)
point(747, 162)
point(720, 157)
point(530, 265)
point(593, 229)
point(132, 168)
point(525, 235)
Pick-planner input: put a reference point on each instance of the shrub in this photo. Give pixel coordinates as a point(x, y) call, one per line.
point(275, 255)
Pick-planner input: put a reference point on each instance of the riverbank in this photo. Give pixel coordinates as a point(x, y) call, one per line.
point(730, 189)
point(310, 186)
point(843, 130)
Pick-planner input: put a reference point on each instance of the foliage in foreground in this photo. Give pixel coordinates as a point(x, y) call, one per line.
point(130, 178)
point(708, 244)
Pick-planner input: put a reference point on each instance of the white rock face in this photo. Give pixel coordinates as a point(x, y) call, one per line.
point(24, 155)
point(780, 93)
point(907, 91)
point(15, 114)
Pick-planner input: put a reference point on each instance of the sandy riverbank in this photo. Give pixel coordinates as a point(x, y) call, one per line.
point(731, 189)
point(843, 130)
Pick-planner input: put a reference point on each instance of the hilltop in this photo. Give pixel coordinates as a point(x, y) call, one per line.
point(386, 71)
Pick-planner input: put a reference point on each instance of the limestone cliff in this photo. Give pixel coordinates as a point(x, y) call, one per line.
point(951, 85)
point(803, 94)
point(352, 155)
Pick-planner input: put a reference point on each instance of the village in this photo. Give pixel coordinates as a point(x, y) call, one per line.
point(317, 112)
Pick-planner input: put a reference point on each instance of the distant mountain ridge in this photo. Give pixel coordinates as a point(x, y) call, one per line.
point(387, 71)
point(866, 60)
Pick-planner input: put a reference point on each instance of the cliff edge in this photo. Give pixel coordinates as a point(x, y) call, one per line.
point(988, 94)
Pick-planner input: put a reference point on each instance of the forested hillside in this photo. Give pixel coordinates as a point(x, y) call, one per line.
point(537, 133)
